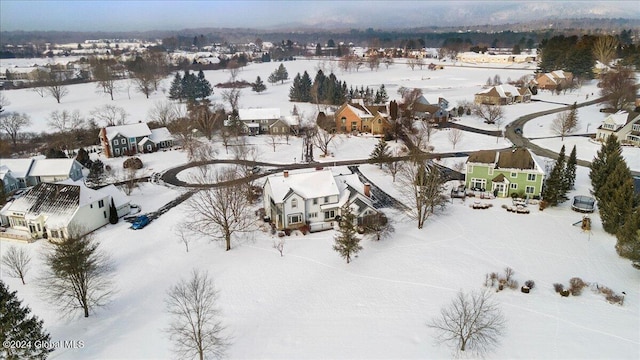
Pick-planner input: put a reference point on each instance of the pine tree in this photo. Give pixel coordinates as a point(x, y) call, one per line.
point(258, 86)
point(381, 95)
point(189, 86)
point(113, 213)
point(562, 163)
point(17, 325)
point(305, 87)
point(273, 77)
point(602, 165)
point(381, 152)
point(175, 92)
point(616, 198)
point(552, 192)
point(628, 244)
point(569, 177)
point(347, 242)
point(203, 86)
point(294, 91)
point(282, 74)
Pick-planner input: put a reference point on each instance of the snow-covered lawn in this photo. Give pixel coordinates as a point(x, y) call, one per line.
point(310, 304)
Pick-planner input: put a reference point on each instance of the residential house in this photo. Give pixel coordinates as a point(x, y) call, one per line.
point(51, 210)
point(503, 95)
point(432, 110)
point(133, 139)
point(554, 80)
point(314, 198)
point(357, 117)
point(505, 172)
point(9, 182)
point(285, 125)
point(258, 121)
point(30, 172)
point(625, 126)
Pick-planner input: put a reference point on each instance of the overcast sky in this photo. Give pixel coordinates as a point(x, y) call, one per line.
point(125, 15)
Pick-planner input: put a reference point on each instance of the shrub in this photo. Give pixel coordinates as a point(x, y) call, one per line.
point(615, 299)
point(508, 273)
point(530, 284)
point(558, 287)
point(133, 162)
point(512, 284)
point(576, 285)
point(304, 229)
point(287, 232)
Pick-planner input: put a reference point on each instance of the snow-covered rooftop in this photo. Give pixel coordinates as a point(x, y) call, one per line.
point(259, 114)
point(129, 130)
point(51, 167)
point(160, 134)
point(19, 167)
point(308, 184)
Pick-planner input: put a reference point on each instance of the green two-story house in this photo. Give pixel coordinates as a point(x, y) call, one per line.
point(505, 172)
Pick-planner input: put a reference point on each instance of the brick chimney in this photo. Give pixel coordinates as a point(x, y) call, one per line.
point(367, 189)
point(286, 173)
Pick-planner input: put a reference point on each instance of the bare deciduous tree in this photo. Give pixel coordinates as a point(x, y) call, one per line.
point(423, 186)
point(394, 168)
point(378, 224)
point(110, 115)
point(455, 135)
point(273, 140)
point(12, 123)
point(605, 49)
point(564, 124)
point(130, 180)
point(206, 117)
point(278, 244)
point(182, 232)
point(164, 112)
point(77, 274)
point(65, 120)
point(322, 140)
point(491, 114)
point(222, 211)
point(105, 76)
point(232, 96)
point(472, 322)
point(373, 62)
point(4, 102)
point(411, 63)
point(17, 262)
point(196, 329)
point(57, 89)
point(619, 87)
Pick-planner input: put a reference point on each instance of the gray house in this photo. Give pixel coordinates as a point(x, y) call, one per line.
point(31, 172)
point(9, 183)
point(133, 139)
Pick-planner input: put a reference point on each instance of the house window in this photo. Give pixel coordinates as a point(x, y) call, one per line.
point(354, 126)
point(149, 147)
point(329, 214)
point(105, 214)
point(294, 203)
point(490, 171)
point(478, 183)
point(91, 206)
point(326, 199)
point(529, 190)
point(315, 201)
point(275, 129)
point(513, 186)
point(514, 174)
point(469, 168)
point(379, 121)
point(531, 177)
point(344, 120)
point(132, 140)
point(38, 226)
point(115, 142)
point(101, 203)
point(312, 215)
point(294, 219)
point(117, 151)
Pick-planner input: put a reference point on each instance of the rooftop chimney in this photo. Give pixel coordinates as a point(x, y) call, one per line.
point(367, 189)
point(286, 173)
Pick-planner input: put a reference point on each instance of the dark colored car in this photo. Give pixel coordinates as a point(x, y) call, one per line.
point(140, 222)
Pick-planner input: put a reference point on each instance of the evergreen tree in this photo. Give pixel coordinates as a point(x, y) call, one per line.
point(381, 152)
point(319, 86)
point(552, 192)
point(628, 244)
point(113, 213)
point(258, 86)
point(294, 91)
point(17, 325)
point(569, 177)
point(203, 86)
point(616, 198)
point(83, 158)
point(381, 95)
point(273, 77)
point(305, 87)
point(189, 86)
point(347, 242)
point(318, 50)
point(282, 73)
point(612, 186)
point(175, 92)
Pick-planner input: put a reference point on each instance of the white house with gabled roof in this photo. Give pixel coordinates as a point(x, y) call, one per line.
point(51, 210)
point(314, 198)
point(625, 126)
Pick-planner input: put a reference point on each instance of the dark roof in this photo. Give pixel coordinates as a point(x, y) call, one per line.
point(52, 198)
point(519, 158)
point(498, 179)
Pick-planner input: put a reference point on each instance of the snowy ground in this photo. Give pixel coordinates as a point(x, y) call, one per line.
point(310, 304)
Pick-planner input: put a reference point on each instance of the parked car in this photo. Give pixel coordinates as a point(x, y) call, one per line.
point(255, 170)
point(140, 222)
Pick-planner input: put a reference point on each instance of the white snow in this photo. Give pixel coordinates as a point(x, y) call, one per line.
point(310, 304)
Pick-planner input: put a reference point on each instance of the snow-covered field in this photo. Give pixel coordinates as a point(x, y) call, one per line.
point(309, 303)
